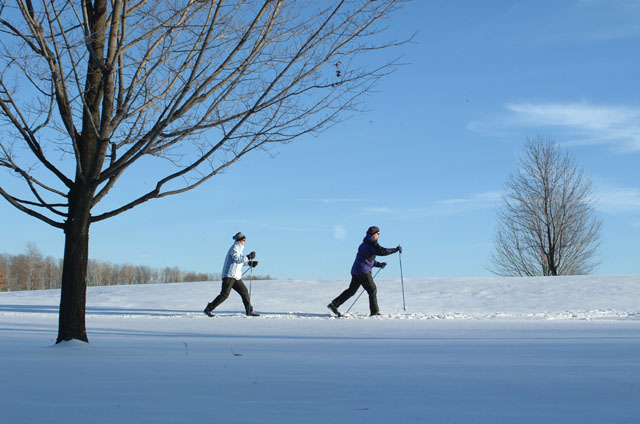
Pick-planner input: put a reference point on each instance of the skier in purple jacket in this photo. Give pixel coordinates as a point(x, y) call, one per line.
point(361, 271)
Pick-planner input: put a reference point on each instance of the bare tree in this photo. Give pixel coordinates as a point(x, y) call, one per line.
point(52, 272)
point(4, 272)
point(92, 91)
point(35, 261)
point(4, 267)
point(547, 224)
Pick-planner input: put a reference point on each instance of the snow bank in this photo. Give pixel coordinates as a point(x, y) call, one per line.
point(578, 297)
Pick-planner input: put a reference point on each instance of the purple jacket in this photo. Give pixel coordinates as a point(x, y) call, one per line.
point(366, 257)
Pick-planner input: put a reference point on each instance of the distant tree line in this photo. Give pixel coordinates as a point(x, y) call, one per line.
point(33, 271)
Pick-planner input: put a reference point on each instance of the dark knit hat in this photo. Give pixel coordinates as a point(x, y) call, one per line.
point(239, 237)
point(372, 230)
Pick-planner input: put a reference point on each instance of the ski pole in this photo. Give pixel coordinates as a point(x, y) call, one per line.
point(250, 277)
point(250, 280)
point(354, 302)
point(404, 307)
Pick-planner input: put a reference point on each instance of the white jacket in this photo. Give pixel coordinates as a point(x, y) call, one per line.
point(234, 261)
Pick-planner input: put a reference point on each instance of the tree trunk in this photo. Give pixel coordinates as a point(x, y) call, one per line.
point(73, 295)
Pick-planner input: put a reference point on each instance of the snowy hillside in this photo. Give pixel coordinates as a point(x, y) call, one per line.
point(466, 350)
point(583, 297)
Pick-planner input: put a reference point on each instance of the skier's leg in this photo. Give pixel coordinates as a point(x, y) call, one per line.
point(372, 290)
point(227, 284)
point(242, 290)
point(350, 291)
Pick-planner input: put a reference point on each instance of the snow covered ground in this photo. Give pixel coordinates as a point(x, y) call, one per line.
point(466, 350)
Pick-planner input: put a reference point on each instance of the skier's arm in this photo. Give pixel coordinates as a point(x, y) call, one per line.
point(237, 256)
point(383, 251)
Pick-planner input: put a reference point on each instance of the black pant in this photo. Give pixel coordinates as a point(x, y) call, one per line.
point(229, 283)
point(366, 281)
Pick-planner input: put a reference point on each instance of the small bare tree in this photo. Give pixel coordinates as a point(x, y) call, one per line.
point(92, 91)
point(3, 281)
point(547, 224)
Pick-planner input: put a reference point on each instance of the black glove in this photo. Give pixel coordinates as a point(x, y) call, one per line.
point(252, 264)
point(251, 255)
point(382, 265)
point(399, 248)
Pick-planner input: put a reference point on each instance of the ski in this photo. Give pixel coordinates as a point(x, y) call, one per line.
point(211, 315)
point(360, 316)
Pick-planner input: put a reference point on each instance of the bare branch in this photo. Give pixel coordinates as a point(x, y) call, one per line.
point(19, 204)
point(191, 86)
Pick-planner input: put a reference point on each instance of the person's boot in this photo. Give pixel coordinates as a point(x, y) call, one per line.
point(207, 310)
point(250, 313)
point(334, 309)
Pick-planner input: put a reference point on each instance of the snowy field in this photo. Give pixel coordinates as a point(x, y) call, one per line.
point(484, 350)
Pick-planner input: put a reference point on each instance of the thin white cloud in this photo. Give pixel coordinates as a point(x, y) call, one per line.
point(380, 210)
point(589, 124)
point(578, 123)
point(621, 201)
point(607, 20)
point(443, 207)
point(332, 201)
point(618, 200)
point(339, 232)
point(476, 201)
point(619, 33)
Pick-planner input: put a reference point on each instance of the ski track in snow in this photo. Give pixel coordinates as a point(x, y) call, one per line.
point(568, 315)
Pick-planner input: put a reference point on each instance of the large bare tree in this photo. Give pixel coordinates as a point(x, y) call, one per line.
point(92, 92)
point(547, 224)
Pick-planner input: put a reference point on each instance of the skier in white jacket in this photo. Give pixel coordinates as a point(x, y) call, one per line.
point(232, 276)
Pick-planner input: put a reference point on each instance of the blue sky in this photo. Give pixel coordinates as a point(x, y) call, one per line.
point(427, 161)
